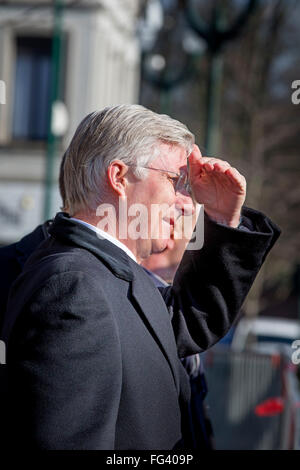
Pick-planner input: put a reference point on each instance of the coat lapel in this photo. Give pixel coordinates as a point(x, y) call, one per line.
point(154, 312)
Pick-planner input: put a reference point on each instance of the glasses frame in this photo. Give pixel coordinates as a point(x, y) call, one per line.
point(180, 177)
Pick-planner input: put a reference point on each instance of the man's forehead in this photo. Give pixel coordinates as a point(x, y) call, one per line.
point(172, 157)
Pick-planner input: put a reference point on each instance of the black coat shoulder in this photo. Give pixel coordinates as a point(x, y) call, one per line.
point(12, 260)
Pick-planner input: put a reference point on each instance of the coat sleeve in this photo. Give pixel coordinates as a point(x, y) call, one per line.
point(65, 344)
point(211, 284)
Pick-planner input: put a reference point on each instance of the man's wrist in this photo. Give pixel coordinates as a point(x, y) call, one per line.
point(233, 222)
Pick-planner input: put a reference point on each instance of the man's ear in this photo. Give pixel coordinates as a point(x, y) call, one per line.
point(116, 177)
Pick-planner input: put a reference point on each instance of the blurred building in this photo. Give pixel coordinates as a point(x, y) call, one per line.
point(100, 67)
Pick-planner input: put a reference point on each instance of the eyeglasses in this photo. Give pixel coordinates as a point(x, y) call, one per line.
point(180, 181)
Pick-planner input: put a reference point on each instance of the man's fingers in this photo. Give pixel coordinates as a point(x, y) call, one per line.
point(195, 156)
point(218, 166)
point(196, 159)
point(236, 176)
point(208, 167)
point(233, 172)
point(221, 166)
point(196, 152)
point(212, 165)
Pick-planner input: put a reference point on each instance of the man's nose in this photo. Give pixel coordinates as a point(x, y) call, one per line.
point(184, 203)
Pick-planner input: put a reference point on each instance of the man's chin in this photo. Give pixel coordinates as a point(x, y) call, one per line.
point(162, 245)
point(170, 244)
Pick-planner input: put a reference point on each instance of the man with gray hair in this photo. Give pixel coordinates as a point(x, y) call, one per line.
point(93, 347)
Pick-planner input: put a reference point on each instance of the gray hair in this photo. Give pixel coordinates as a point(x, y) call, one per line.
point(130, 133)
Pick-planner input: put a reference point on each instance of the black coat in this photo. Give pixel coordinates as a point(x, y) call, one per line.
point(13, 258)
point(92, 346)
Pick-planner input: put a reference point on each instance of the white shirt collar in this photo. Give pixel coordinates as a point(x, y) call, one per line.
point(108, 237)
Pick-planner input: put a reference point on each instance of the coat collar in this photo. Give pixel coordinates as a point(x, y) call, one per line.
point(71, 232)
point(26, 245)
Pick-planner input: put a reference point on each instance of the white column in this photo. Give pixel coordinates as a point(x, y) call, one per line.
point(7, 74)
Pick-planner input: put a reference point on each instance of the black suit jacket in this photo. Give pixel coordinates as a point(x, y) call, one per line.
point(93, 347)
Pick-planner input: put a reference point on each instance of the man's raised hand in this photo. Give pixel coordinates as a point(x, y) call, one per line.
point(217, 185)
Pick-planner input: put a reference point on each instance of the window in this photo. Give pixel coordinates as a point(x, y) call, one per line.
point(32, 88)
